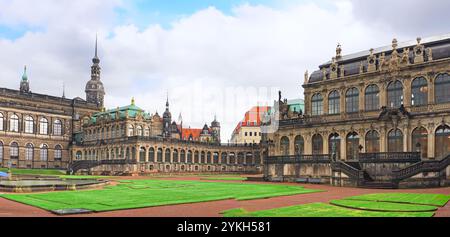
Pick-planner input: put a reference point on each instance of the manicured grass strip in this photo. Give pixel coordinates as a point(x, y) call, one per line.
point(83, 177)
point(320, 210)
point(149, 193)
point(382, 206)
point(226, 178)
point(413, 198)
point(34, 171)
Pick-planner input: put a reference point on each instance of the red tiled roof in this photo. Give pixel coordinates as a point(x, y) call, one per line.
point(254, 114)
point(194, 132)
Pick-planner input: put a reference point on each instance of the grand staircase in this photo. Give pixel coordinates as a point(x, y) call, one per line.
point(354, 171)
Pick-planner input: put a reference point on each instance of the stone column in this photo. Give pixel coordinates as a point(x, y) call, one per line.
point(431, 143)
point(342, 101)
point(407, 93)
point(325, 103)
point(383, 139)
point(343, 155)
point(291, 145)
point(383, 94)
point(308, 144)
point(362, 98)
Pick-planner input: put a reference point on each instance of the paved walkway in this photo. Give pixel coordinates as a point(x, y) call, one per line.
point(213, 209)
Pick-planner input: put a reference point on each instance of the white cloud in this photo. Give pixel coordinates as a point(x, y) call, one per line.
point(210, 63)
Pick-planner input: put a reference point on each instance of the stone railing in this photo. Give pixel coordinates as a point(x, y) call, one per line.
point(390, 157)
point(297, 159)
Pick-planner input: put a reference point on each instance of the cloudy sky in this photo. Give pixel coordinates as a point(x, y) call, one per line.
point(216, 57)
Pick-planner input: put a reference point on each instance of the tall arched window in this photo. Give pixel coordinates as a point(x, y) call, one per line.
point(196, 157)
point(419, 92)
point(151, 154)
point(372, 142)
point(442, 142)
point(160, 155)
point(167, 156)
point(130, 130)
point(208, 158)
point(420, 141)
point(2, 122)
point(44, 152)
point(139, 131)
point(14, 150)
point(43, 126)
point(58, 152)
point(334, 103)
point(183, 156)
point(334, 144)
point(284, 146)
point(57, 128)
point(352, 146)
point(232, 158)
point(203, 158)
point(395, 141)
point(189, 157)
point(317, 144)
point(29, 152)
point(372, 98)
point(142, 153)
point(14, 123)
point(146, 131)
point(442, 88)
point(224, 159)
point(352, 100)
point(395, 94)
point(175, 156)
point(1, 151)
point(317, 104)
point(299, 143)
point(240, 158)
point(216, 158)
point(29, 124)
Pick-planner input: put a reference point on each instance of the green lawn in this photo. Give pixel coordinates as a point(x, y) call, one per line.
point(34, 171)
point(413, 198)
point(320, 210)
point(148, 193)
point(83, 177)
point(382, 206)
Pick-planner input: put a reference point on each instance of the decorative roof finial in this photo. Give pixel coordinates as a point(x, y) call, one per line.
point(167, 101)
point(338, 51)
point(25, 76)
point(394, 44)
point(64, 91)
point(132, 101)
point(419, 40)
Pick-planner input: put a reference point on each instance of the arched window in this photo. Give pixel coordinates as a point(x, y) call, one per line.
point(1, 151)
point(352, 100)
point(189, 157)
point(14, 150)
point(78, 155)
point(167, 156)
point(334, 144)
point(248, 158)
point(44, 152)
point(183, 156)
point(29, 124)
point(29, 152)
point(196, 157)
point(175, 156)
point(372, 142)
point(203, 158)
point(130, 130)
point(142, 153)
point(372, 98)
point(151, 154)
point(299, 145)
point(240, 158)
point(160, 155)
point(284, 146)
point(232, 158)
point(442, 142)
point(216, 158)
point(419, 92)
point(395, 94)
point(224, 159)
point(14, 123)
point(395, 141)
point(147, 131)
point(352, 146)
point(208, 158)
point(442, 88)
point(58, 152)
point(2, 121)
point(420, 141)
point(317, 105)
point(57, 128)
point(43, 126)
point(317, 144)
point(139, 131)
point(334, 103)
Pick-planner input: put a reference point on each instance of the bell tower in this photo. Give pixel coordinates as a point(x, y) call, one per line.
point(24, 83)
point(95, 92)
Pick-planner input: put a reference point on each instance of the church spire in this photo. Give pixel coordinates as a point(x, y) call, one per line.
point(95, 92)
point(24, 83)
point(96, 59)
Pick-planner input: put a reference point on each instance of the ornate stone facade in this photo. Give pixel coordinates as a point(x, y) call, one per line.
point(392, 99)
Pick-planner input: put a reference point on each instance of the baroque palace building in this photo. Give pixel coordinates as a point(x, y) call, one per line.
point(43, 131)
point(373, 113)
